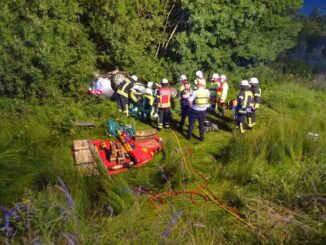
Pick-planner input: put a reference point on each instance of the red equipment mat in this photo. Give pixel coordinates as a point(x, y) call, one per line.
point(153, 145)
point(139, 155)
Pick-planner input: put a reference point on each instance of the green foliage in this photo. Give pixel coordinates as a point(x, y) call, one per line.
point(127, 34)
point(51, 47)
point(315, 25)
point(116, 194)
point(33, 140)
point(44, 50)
point(227, 34)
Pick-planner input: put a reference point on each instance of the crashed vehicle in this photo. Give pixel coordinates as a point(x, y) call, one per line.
point(105, 85)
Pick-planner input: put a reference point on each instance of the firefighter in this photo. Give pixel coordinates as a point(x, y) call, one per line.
point(184, 104)
point(222, 93)
point(245, 103)
point(200, 78)
point(123, 92)
point(215, 83)
point(199, 102)
point(136, 92)
point(163, 100)
point(147, 102)
point(255, 89)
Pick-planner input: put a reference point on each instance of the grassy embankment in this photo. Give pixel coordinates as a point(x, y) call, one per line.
point(275, 175)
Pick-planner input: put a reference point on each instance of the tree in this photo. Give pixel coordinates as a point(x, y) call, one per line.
point(44, 50)
point(226, 34)
point(127, 34)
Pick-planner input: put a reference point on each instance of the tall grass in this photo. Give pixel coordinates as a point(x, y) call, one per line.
point(284, 146)
point(275, 175)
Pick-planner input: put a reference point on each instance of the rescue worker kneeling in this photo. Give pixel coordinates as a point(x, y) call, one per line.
point(199, 102)
point(147, 103)
point(245, 104)
point(163, 100)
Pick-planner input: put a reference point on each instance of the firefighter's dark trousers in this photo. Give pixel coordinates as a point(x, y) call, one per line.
point(193, 115)
point(241, 118)
point(251, 117)
point(164, 117)
point(185, 109)
point(122, 103)
point(220, 106)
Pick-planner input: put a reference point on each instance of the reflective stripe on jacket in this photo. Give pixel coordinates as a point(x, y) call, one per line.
point(124, 88)
point(164, 97)
point(257, 94)
point(245, 101)
point(201, 97)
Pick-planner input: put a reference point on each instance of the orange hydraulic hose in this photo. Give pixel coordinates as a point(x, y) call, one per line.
point(211, 196)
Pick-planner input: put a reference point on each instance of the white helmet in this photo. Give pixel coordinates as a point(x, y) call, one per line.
point(215, 76)
point(199, 74)
point(182, 78)
point(134, 77)
point(253, 80)
point(244, 83)
point(150, 84)
point(164, 81)
point(223, 77)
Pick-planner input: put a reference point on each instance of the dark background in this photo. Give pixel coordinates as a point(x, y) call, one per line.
point(309, 5)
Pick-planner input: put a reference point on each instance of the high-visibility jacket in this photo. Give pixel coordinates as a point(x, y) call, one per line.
point(255, 89)
point(149, 98)
point(245, 101)
point(124, 88)
point(147, 102)
point(164, 95)
point(201, 97)
point(222, 91)
point(135, 96)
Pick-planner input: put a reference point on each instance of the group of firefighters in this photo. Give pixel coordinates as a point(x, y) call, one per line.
point(195, 100)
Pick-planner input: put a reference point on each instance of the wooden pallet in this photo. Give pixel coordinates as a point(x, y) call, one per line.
point(84, 158)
